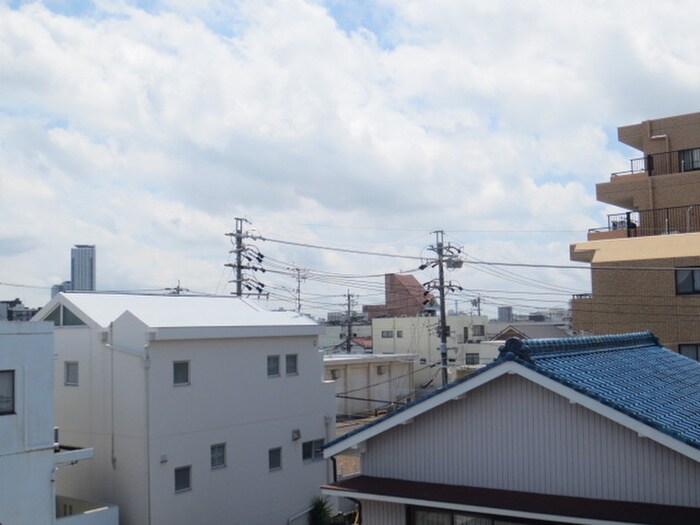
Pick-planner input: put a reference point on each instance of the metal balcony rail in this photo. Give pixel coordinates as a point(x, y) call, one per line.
point(661, 221)
point(678, 161)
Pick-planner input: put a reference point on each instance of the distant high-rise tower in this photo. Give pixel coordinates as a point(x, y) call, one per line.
point(82, 267)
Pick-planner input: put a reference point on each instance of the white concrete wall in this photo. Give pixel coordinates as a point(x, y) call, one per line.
point(231, 400)
point(106, 411)
point(419, 336)
point(358, 376)
point(26, 437)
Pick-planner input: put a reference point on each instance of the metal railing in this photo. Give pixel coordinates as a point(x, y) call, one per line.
point(661, 221)
point(678, 161)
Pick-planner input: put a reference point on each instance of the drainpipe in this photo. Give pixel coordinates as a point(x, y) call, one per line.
point(147, 368)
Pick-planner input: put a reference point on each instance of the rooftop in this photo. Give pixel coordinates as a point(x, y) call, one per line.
point(630, 373)
point(164, 311)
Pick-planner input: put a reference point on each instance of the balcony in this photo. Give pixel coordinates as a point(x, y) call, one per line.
point(644, 223)
point(73, 511)
point(678, 161)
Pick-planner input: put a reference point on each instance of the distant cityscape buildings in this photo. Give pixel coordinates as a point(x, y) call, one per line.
point(82, 267)
point(82, 271)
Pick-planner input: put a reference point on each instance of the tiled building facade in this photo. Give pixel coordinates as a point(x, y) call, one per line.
point(642, 262)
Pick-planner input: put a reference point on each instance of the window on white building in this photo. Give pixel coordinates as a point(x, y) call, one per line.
point(399, 334)
point(183, 479)
point(181, 372)
point(312, 450)
point(274, 458)
point(218, 456)
point(7, 392)
point(471, 359)
point(478, 330)
point(62, 316)
point(70, 373)
point(273, 366)
point(291, 367)
point(387, 334)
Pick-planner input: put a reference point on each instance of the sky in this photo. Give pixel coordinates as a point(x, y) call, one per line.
point(146, 128)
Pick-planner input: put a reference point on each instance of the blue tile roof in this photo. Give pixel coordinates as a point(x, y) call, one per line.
point(630, 373)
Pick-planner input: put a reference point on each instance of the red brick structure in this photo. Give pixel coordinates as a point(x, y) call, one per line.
point(404, 296)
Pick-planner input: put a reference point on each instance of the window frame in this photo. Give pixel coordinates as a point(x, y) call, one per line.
point(189, 378)
point(272, 358)
point(184, 468)
point(295, 371)
point(472, 358)
point(315, 453)
point(695, 347)
point(67, 380)
point(13, 395)
point(478, 330)
point(213, 454)
point(694, 281)
point(399, 334)
point(278, 452)
point(387, 334)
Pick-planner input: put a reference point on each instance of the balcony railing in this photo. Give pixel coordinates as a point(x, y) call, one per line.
point(661, 221)
point(662, 163)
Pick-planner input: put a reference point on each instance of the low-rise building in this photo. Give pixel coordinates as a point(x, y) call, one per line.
point(587, 430)
point(200, 409)
point(367, 384)
point(31, 458)
point(419, 335)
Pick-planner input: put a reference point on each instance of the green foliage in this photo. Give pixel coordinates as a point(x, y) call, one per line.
point(320, 512)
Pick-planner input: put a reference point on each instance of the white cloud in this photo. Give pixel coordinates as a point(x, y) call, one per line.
point(146, 131)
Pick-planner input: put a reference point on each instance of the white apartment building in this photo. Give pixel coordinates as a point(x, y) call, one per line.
point(200, 409)
point(365, 383)
point(419, 335)
point(30, 460)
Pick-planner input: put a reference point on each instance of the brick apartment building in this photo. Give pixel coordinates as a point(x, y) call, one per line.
point(645, 264)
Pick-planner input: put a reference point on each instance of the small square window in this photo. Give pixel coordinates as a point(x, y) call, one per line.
point(181, 372)
point(478, 330)
point(273, 366)
point(290, 365)
point(70, 373)
point(691, 351)
point(183, 479)
point(312, 450)
point(218, 456)
point(274, 458)
point(399, 334)
point(7, 392)
point(471, 359)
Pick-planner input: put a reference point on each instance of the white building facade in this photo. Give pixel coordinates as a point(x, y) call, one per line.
point(200, 409)
point(419, 335)
point(30, 459)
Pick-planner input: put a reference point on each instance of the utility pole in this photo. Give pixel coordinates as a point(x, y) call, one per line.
point(446, 256)
point(440, 249)
point(300, 277)
point(249, 253)
point(348, 337)
point(477, 302)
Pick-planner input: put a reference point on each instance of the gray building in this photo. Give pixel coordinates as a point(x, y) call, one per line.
point(82, 267)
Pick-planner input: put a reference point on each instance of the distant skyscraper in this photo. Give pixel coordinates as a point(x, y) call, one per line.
point(82, 267)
